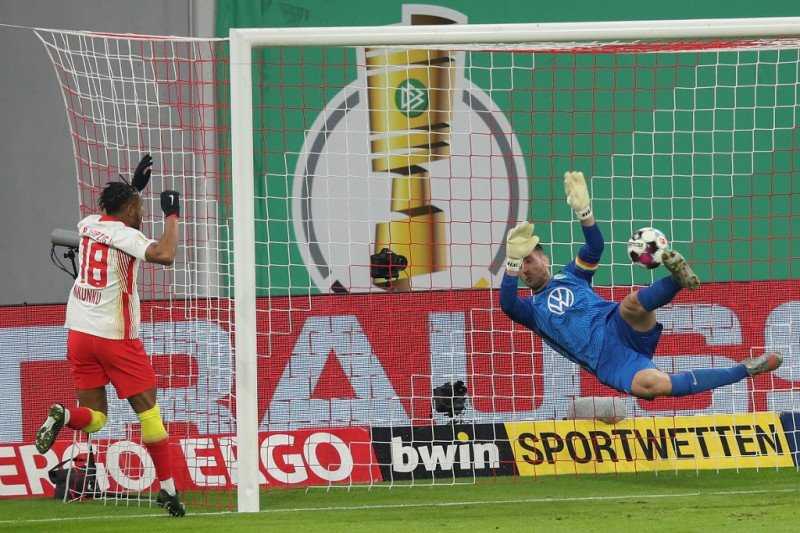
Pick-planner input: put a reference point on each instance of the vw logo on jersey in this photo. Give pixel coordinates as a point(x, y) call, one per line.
point(559, 300)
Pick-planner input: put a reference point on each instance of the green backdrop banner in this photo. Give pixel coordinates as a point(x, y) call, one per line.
point(703, 145)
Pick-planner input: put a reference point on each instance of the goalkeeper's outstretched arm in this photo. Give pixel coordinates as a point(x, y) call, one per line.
point(577, 193)
point(520, 244)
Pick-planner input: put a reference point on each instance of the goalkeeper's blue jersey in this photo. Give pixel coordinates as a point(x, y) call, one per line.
point(567, 314)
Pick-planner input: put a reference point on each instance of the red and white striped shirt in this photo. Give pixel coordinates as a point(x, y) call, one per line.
point(104, 300)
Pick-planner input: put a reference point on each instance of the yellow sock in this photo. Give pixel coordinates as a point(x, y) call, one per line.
point(97, 423)
point(152, 426)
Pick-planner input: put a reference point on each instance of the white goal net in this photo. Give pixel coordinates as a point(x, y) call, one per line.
point(346, 203)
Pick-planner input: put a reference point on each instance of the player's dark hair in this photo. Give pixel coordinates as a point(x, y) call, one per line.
point(115, 195)
point(539, 248)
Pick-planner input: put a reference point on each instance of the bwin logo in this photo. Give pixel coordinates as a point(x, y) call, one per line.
point(446, 457)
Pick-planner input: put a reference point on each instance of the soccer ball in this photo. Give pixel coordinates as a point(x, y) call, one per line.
point(646, 246)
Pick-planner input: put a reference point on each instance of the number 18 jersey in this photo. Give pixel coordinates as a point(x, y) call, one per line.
point(104, 301)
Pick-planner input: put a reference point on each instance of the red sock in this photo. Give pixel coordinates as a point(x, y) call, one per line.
point(79, 418)
point(159, 452)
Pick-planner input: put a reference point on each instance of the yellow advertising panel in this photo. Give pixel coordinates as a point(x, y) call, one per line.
point(556, 447)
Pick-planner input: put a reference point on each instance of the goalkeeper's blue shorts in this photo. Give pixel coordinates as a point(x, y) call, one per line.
point(625, 352)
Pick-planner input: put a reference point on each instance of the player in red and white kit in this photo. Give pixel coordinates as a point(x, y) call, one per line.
point(103, 320)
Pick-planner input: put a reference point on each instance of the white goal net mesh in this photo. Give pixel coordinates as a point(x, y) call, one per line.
point(386, 179)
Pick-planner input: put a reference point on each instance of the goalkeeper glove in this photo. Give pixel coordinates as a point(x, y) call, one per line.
point(519, 243)
point(141, 176)
point(169, 203)
point(577, 194)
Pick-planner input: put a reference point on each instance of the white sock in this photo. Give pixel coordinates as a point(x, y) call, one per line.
point(169, 486)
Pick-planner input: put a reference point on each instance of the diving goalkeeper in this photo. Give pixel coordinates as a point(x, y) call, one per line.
point(103, 321)
point(613, 341)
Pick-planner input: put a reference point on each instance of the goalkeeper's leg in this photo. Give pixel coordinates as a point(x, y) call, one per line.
point(681, 272)
point(638, 307)
point(651, 382)
point(89, 417)
point(156, 440)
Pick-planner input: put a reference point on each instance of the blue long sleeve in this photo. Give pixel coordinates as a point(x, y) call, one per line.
point(592, 250)
point(589, 255)
point(517, 309)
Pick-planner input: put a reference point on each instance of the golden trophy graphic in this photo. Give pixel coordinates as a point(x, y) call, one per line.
point(410, 176)
point(409, 93)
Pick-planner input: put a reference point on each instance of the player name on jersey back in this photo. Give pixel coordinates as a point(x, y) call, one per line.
point(104, 300)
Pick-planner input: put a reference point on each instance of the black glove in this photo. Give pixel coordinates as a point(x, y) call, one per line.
point(170, 203)
point(141, 176)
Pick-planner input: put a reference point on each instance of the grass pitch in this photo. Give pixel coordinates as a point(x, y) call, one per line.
point(728, 501)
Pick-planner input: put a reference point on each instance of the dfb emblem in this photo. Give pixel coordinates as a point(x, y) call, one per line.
point(559, 300)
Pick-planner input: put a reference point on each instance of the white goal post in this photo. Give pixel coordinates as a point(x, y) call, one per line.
point(531, 37)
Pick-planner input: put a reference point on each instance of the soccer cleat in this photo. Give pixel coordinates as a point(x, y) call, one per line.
point(680, 270)
point(763, 363)
point(172, 504)
point(47, 434)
